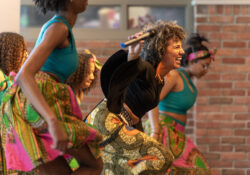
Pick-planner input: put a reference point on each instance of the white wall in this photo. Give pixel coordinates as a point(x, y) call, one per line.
point(10, 16)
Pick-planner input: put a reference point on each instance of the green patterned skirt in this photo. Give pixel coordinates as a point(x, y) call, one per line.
point(25, 137)
point(128, 151)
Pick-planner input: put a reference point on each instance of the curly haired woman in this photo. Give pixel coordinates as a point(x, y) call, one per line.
point(177, 96)
point(41, 110)
point(132, 86)
point(13, 53)
point(83, 80)
point(85, 76)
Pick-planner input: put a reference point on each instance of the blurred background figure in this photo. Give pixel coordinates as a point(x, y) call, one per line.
point(82, 81)
point(13, 53)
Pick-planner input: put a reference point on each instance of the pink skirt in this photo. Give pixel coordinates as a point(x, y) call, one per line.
point(25, 137)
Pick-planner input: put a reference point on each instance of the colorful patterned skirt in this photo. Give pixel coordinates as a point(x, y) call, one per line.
point(188, 159)
point(25, 137)
point(128, 151)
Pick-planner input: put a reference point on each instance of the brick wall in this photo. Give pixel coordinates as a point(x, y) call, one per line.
point(222, 111)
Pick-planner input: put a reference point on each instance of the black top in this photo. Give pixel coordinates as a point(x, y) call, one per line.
point(131, 81)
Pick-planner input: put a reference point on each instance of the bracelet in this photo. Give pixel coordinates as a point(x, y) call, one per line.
point(157, 133)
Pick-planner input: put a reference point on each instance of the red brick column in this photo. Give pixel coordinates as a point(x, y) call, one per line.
point(222, 111)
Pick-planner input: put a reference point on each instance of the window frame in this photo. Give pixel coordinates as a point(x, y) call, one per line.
point(31, 33)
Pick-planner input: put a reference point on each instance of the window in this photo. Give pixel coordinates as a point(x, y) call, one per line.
point(111, 19)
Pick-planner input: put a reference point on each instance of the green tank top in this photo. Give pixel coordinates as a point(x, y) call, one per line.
point(180, 102)
point(62, 61)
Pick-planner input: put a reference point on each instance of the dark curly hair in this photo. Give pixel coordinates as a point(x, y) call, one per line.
point(51, 5)
point(154, 48)
point(13, 52)
point(195, 44)
point(76, 79)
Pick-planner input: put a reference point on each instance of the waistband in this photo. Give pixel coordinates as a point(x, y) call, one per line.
point(167, 117)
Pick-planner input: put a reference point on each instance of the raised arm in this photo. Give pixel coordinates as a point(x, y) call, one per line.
point(117, 73)
point(54, 37)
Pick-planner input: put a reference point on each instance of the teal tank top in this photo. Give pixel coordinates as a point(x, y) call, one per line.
point(62, 61)
point(180, 102)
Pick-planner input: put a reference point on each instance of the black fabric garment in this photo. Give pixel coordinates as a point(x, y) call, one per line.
point(132, 82)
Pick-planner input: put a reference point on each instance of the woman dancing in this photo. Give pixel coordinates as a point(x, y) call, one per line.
point(41, 114)
point(83, 79)
point(132, 85)
point(177, 96)
point(13, 53)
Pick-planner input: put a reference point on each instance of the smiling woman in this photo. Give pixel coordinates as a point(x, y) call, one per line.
point(132, 85)
point(177, 96)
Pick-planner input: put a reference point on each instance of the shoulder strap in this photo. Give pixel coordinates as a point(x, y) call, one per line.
point(181, 73)
point(61, 19)
point(57, 19)
point(186, 80)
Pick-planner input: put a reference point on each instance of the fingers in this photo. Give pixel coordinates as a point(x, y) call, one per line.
point(135, 35)
point(134, 49)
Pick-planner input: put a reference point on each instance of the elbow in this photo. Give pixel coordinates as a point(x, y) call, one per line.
point(22, 76)
point(19, 77)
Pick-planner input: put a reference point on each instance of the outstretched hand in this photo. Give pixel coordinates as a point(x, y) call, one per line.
point(59, 136)
point(134, 49)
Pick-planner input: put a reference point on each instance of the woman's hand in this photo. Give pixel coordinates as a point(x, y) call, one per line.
point(155, 135)
point(134, 50)
point(59, 136)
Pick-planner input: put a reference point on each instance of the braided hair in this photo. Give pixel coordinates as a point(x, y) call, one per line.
point(195, 44)
point(51, 5)
point(13, 52)
point(154, 48)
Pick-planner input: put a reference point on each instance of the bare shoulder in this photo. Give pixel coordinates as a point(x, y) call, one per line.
point(59, 27)
point(57, 31)
point(173, 75)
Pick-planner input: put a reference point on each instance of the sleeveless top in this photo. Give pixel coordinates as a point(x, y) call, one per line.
point(62, 61)
point(180, 102)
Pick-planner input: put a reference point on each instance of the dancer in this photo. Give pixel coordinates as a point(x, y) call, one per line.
point(13, 53)
point(131, 88)
point(82, 81)
point(85, 76)
point(177, 96)
point(41, 114)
